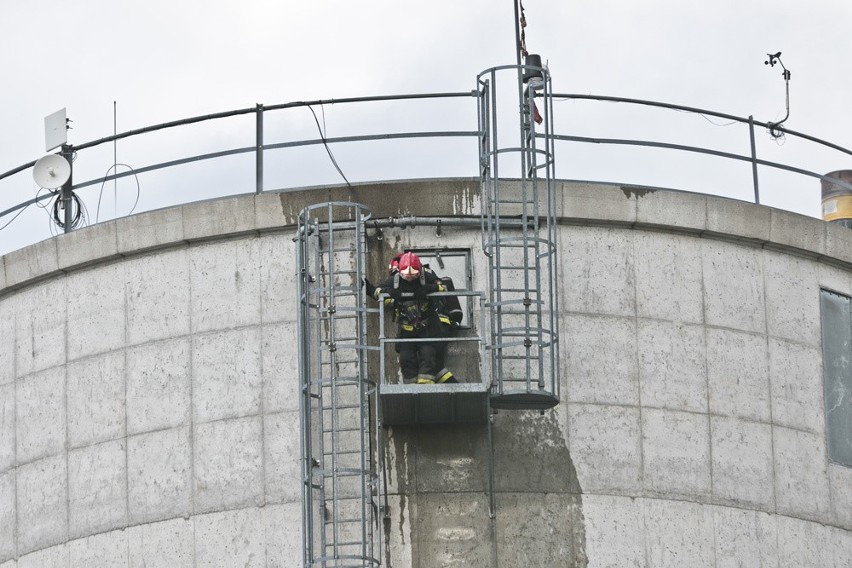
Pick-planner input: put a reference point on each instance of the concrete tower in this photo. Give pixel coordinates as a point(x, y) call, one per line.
point(149, 392)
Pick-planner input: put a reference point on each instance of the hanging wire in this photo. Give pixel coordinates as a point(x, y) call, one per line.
point(78, 215)
point(325, 143)
point(15, 217)
point(103, 183)
point(692, 112)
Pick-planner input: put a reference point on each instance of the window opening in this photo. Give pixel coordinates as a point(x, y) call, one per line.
point(455, 264)
point(836, 317)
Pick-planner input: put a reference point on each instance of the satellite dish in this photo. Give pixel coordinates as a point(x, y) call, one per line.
point(51, 171)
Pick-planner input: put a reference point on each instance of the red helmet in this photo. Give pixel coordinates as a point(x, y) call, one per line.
point(409, 266)
point(393, 266)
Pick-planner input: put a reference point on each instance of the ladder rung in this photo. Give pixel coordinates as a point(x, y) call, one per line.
point(330, 474)
point(346, 453)
point(348, 543)
point(344, 316)
point(341, 407)
point(521, 244)
point(346, 429)
point(343, 339)
point(512, 202)
point(346, 519)
point(343, 362)
point(326, 251)
point(355, 498)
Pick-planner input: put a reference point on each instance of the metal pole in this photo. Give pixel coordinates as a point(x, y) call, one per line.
point(259, 150)
point(517, 36)
point(753, 159)
point(67, 153)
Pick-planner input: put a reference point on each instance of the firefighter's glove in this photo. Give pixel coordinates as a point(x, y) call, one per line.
point(421, 292)
point(371, 290)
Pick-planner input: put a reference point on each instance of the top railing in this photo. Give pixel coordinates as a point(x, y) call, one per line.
point(262, 148)
point(750, 122)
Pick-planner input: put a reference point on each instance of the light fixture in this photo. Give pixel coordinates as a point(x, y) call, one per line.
point(533, 77)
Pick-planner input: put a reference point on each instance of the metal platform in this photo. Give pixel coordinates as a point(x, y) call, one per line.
point(434, 404)
point(524, 400)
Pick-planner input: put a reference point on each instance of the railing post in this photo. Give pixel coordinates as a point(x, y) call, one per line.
point(753, 159)
point(259, 150)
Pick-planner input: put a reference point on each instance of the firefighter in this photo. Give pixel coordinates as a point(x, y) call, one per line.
point(416, 316)
point(449, 315)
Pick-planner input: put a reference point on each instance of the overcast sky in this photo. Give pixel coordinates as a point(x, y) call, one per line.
point(158, 61)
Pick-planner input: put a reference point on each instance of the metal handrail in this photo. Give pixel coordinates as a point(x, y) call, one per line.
point(259, 148)
point(696, 110)
point(384, 339)
point(750, 121)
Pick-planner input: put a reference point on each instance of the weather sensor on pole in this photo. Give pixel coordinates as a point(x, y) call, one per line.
point(775, 129)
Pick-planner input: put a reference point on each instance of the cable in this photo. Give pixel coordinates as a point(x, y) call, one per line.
point(324, 143)
point(15, 217)
point(776, 132)
point(38, 203)
point(707, 118)
point(103, 183)
point(47, 203)
point(701, 114)
point(77, 217)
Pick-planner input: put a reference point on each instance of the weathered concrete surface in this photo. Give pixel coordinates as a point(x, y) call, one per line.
point(159, 385)
point(95, 399)
point(159, 476)
point(737, 381)
point(97, 489)
point(149, 394)
point(597, 356)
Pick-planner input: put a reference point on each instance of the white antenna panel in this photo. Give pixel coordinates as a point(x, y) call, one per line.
point(55, 130)
point(51, 171)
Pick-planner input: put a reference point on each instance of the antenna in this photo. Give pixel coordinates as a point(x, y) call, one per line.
point(51, 171)
point(55, 130)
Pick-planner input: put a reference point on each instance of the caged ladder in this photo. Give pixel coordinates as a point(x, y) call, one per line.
point(519, 235)
point(340, 454)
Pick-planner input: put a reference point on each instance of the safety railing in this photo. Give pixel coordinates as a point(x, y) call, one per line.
point(475, 336)
point(262, 148)
point(752, 158)
point(463, 402)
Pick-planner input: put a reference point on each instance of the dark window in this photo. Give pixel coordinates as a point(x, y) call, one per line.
point(836, 311)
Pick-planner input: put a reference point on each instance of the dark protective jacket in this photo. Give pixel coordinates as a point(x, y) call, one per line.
point(415, 315)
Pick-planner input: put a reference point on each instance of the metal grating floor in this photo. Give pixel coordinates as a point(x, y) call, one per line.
point(434, 404)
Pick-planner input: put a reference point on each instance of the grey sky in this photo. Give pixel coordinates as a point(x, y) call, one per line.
point(162, 61)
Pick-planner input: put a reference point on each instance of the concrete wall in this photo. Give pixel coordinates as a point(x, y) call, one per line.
point(149, 415)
